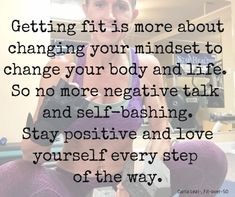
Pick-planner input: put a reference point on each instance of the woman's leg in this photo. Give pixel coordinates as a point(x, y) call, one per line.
point(22, 178)
point(206, 173)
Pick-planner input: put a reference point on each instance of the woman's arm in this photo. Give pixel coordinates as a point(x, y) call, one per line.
point(28, 146)
point(149, 79)
point(160, 124)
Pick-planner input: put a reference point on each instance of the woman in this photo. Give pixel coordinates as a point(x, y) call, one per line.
point(60, 181)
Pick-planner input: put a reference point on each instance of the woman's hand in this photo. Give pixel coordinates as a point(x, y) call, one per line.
point(160, 146)
point(121, 192)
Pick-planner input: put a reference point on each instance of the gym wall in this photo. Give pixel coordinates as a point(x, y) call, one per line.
point(24, 10)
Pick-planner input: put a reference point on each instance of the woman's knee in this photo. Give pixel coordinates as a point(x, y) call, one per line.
point(15, 174)
point(208, 154)
point(18, 167)
point(209, 169)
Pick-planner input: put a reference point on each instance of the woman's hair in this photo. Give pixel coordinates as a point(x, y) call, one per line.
point(133, 3)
